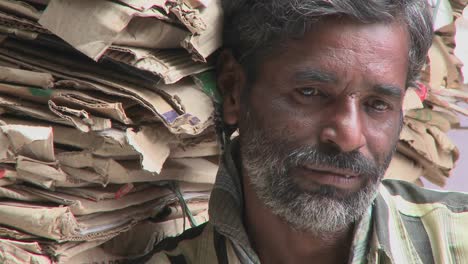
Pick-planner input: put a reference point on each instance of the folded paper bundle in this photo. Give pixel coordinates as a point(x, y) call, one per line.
point(106, 126)
point(433, 108)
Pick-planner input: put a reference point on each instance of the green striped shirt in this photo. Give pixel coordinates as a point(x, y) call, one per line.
point(406, 224)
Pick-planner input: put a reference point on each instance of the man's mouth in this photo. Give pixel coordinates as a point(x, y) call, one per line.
point(330, 170)
point(340, 178)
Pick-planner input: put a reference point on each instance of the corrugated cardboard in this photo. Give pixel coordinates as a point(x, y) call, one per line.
point(18, 76)
point(444, 73)
point(100, 193)
point(411, 100)
point(20, 8)
point(151, 33)
point(203, 44)
point(109, 143)
point(440, 117)
point(191, 18)
point(135, 242)
point(170, 112)
point(58, 223)
point(429, 147)
point(152, 143)
point(82, 206)
point(197, 170)
point(80, 118)
point(111, 23)
point(24, 24)
point(93, 35)
point(169, 65)
point(20, 252)
point(143, 5)
point(44, 174)
point(28, 141)
point(62, 252)
point(403, 168)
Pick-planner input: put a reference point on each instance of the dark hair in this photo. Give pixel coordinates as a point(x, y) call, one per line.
point(253, 27)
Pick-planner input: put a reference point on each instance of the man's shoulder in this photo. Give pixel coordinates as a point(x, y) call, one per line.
point(434, 221)
point(405, 193)
point(196, 245)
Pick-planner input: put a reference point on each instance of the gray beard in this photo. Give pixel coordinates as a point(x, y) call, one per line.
point(321, 211)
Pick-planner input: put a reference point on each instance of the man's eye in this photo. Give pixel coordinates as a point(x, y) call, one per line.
point(379, 105)
point(308, 91)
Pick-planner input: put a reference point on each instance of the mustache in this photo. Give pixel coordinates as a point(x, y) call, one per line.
point(353, 161)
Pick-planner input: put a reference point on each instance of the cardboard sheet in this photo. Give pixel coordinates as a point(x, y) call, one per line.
point(170, 65)
point(205, 43)
point(18, 76)
point(20, 252)
point(34, 142)
point(169, 111)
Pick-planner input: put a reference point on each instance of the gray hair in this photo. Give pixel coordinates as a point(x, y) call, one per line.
point(253, 27)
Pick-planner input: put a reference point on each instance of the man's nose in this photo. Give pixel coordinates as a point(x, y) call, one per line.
point(343, 128)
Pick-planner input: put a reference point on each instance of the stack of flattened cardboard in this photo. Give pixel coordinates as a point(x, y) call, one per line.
point(431, 109)
point(107, 140)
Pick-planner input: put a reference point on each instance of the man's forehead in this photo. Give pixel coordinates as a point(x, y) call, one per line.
point(331, 54)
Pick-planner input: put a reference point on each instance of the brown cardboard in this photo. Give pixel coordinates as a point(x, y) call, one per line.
point(93, 35)
point(22, 107)
point(20, 8)
point(403, 168)
point(150, 33)
point(429, 147)
point(169, 112)
point(110, 143)
point(170, 65)
point(412, 100)
point(442, 118)
point(24, 140)
point(196, 170)
point(82, 206)
point(144, 5)
point(101, 193)
point(136, 242)
point(18, 76)
point(91, 103)
point(80, 118)
point(12, 21)
point(444, 73)
point(204, 43)
point(191, 18)
point(6, 232)
point(153, 144)
point(121, 26)
point(44, 174)
point(58, 223)
point(20, 252)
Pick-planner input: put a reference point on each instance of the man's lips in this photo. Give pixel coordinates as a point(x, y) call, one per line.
point(343, 179)
point(335, 171)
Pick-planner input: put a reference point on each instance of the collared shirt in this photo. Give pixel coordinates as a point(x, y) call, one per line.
point(406, 224)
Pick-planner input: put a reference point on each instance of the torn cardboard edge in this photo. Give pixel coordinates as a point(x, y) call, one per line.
point(170, 65)
point(176, 122)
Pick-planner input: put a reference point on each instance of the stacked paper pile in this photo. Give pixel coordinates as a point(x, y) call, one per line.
point(106, 126)
point(432, 109)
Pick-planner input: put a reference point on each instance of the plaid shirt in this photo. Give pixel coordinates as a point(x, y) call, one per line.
point(405, 225)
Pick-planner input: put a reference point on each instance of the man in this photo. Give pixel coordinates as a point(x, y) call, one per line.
point(315, 88)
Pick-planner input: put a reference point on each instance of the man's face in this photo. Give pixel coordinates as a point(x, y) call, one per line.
point(320, 123)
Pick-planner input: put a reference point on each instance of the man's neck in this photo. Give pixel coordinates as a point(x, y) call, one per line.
point(276, 242)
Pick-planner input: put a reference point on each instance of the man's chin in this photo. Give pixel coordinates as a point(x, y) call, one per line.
point(328, 191)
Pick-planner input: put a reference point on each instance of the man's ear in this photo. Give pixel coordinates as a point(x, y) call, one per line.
point(231, 81)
